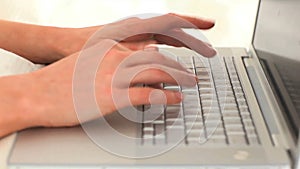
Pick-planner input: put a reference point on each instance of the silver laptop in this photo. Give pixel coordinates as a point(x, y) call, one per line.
point(243, 113)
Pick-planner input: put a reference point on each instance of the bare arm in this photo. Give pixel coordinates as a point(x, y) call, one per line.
point(45, 44)
point(45, 97)
point(42, 44)
point(13, 113)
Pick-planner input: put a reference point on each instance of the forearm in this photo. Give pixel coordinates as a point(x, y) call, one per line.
point(36, 43)
point(42, 44)
point(14, 112)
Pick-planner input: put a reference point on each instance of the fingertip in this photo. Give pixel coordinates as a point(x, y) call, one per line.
point(178, 95)
point(151, 48)
point(174, 97)
point(209, 52)
point(212, 53)
point(207, 23)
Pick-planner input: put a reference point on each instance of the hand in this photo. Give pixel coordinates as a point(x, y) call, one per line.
point(44, 44)
point(135, 33)
point(164, 29)
point(51, 101)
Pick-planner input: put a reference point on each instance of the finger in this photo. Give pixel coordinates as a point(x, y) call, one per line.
point(154, 74)
point(156, 86)
point(179, 38)
point(140, 96)
point(149, 56)
point(138, 45)
point(139, 36)
point(201, 23)
point(146, 28)
point(171, 21)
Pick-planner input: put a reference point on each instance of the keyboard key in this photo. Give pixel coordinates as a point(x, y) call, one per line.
point(242, 103)
point(253, 140)
point(209, 103)
point(192, 118)
point(243, 109)
point(206, 90)
point(233, 128)
point(208, 97)
point(247, 122)
point(216, 132)
point(194, 125)
point(228, 107)
point(148, 136)
point(215, 142)
point(226, 100)
point(231, 115)
point(159, 129)
point(204, 78)
point(251, 131)
point(191, 93)
point(232, 120)
point(211, 125)
point(238, 90)
point(194, 133)
point(236, 85)
point(174, 115)
point(211, 110)
point(174, 88)
point(200, 64)
point(205, 85)
point(246, 116)
point(226, 88)
point(237, 140)
point(189, 89)
point(225, 94)
point(192, 111)
point(175, 134)
point(158, 121)
point(159, 140)
point(148, 126)
point(235, 133)
point(174, 122)
point(191, 99)
point(212, 116)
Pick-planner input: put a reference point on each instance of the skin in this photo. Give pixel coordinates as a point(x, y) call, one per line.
point(45, 97)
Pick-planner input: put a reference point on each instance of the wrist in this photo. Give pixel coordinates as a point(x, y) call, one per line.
point(17, 110)
point(66, 41)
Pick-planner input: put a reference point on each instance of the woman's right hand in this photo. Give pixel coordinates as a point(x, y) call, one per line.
point(50, 100)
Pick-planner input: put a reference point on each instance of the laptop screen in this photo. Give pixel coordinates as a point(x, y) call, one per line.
point(277, 43)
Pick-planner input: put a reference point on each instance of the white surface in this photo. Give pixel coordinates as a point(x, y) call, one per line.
point(13, 64)
point(234, 22)
point(234, 18)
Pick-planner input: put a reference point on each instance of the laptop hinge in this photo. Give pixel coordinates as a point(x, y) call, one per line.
point(267, 102)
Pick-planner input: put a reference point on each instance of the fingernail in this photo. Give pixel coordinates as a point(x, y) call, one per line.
point(151, 48)
point(179, 95)
point(197, 80)
point(190, 71)
point(208, 44)
point(209, 20)
point(212, 52)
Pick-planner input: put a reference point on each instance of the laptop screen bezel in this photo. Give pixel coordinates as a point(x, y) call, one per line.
point(271, 81)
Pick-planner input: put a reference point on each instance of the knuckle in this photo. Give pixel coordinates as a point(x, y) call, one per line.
point(109, 41)
point(157, 57)
point(133, 19)
point(157, 71)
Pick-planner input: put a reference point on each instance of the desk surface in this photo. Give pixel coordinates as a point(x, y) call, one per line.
point(234, 20)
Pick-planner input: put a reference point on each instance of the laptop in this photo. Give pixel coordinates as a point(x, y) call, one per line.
point(243, 113)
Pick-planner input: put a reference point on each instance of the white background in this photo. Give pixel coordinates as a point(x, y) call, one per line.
point(234, 20)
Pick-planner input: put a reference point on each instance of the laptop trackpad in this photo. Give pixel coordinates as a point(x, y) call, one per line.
point(48, 146)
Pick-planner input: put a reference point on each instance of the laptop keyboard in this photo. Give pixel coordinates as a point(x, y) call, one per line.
point(214, 112)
